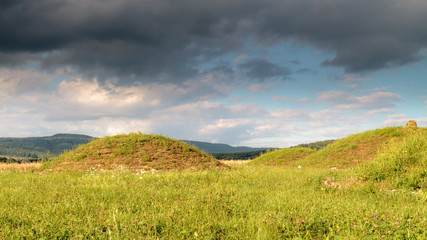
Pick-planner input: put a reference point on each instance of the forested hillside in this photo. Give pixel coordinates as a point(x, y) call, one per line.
point(315, 145)
point(220, 147)
point(41, 147)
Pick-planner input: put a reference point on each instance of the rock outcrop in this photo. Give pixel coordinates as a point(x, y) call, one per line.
point(411, 123)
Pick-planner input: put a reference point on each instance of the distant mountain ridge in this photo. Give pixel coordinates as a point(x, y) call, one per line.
point(220, 147)
point(52, 146)
point(41, 147)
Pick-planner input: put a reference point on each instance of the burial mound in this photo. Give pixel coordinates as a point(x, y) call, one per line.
point(134, 153)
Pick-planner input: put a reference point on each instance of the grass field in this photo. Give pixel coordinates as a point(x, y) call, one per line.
point(18, 166)
point(366, 186)
point(246, 202)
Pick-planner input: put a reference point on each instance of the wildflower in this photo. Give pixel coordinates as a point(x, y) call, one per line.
point(339, 230)
point(299, 166)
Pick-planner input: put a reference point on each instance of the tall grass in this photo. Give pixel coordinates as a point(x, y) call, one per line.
point(401, 163)
point(250, 202)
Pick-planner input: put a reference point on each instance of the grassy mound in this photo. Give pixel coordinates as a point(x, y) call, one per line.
point(284, 156)
point(358, 149)
point(134, 152)
point(402, 163)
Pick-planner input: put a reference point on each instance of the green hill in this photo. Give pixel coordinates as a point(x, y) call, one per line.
point(283, 156)
point(395, 156)
point(402, 162)
point(135, 153)
point(357, 149)
point(41, 147)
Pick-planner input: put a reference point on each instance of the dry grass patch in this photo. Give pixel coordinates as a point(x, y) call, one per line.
point(234, 163)
point(18, 166)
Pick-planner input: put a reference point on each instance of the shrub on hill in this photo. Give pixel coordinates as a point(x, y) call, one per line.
point(283, 156)
point(134, 152)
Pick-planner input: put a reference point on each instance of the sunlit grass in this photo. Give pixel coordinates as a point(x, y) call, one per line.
point(235, 163)
point(248, 202)
point(19, 166)
point(402, 163)
point(380, 196)
point(283, 157)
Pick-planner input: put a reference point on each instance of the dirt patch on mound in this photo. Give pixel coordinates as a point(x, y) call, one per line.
point(356, 150)
point(361, 151)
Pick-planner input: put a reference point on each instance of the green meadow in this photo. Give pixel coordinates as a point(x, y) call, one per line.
point(284, 194)
point(243, 203)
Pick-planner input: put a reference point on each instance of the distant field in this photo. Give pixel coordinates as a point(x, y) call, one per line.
point(18, 167)
point(248, 202)
point(235, 163)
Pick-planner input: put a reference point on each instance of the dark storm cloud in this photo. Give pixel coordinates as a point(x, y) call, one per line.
point(167, 40)
point(262, 69)
point(151, 39)
point(365, 35)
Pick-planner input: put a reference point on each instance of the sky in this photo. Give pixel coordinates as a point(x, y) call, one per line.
point(271, 73)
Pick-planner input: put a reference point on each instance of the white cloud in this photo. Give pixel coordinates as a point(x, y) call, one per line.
point(257, 87)
point(335, 97)
point(195, 106)
point(249, 110)
point(304, 100)
point(289, 115)
point(224, 124)
point(352, 86)
point(327, 114)
point(397, 116)
point(343, 100)
point(23, 86)
point(328, 117)
point(236, 99)
point(280, 98)
point(19, 81)
point(378, 111)
point(378, 89)
point(36, 104)
point(90, 93)
point(273, 129)
point(336, 132)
